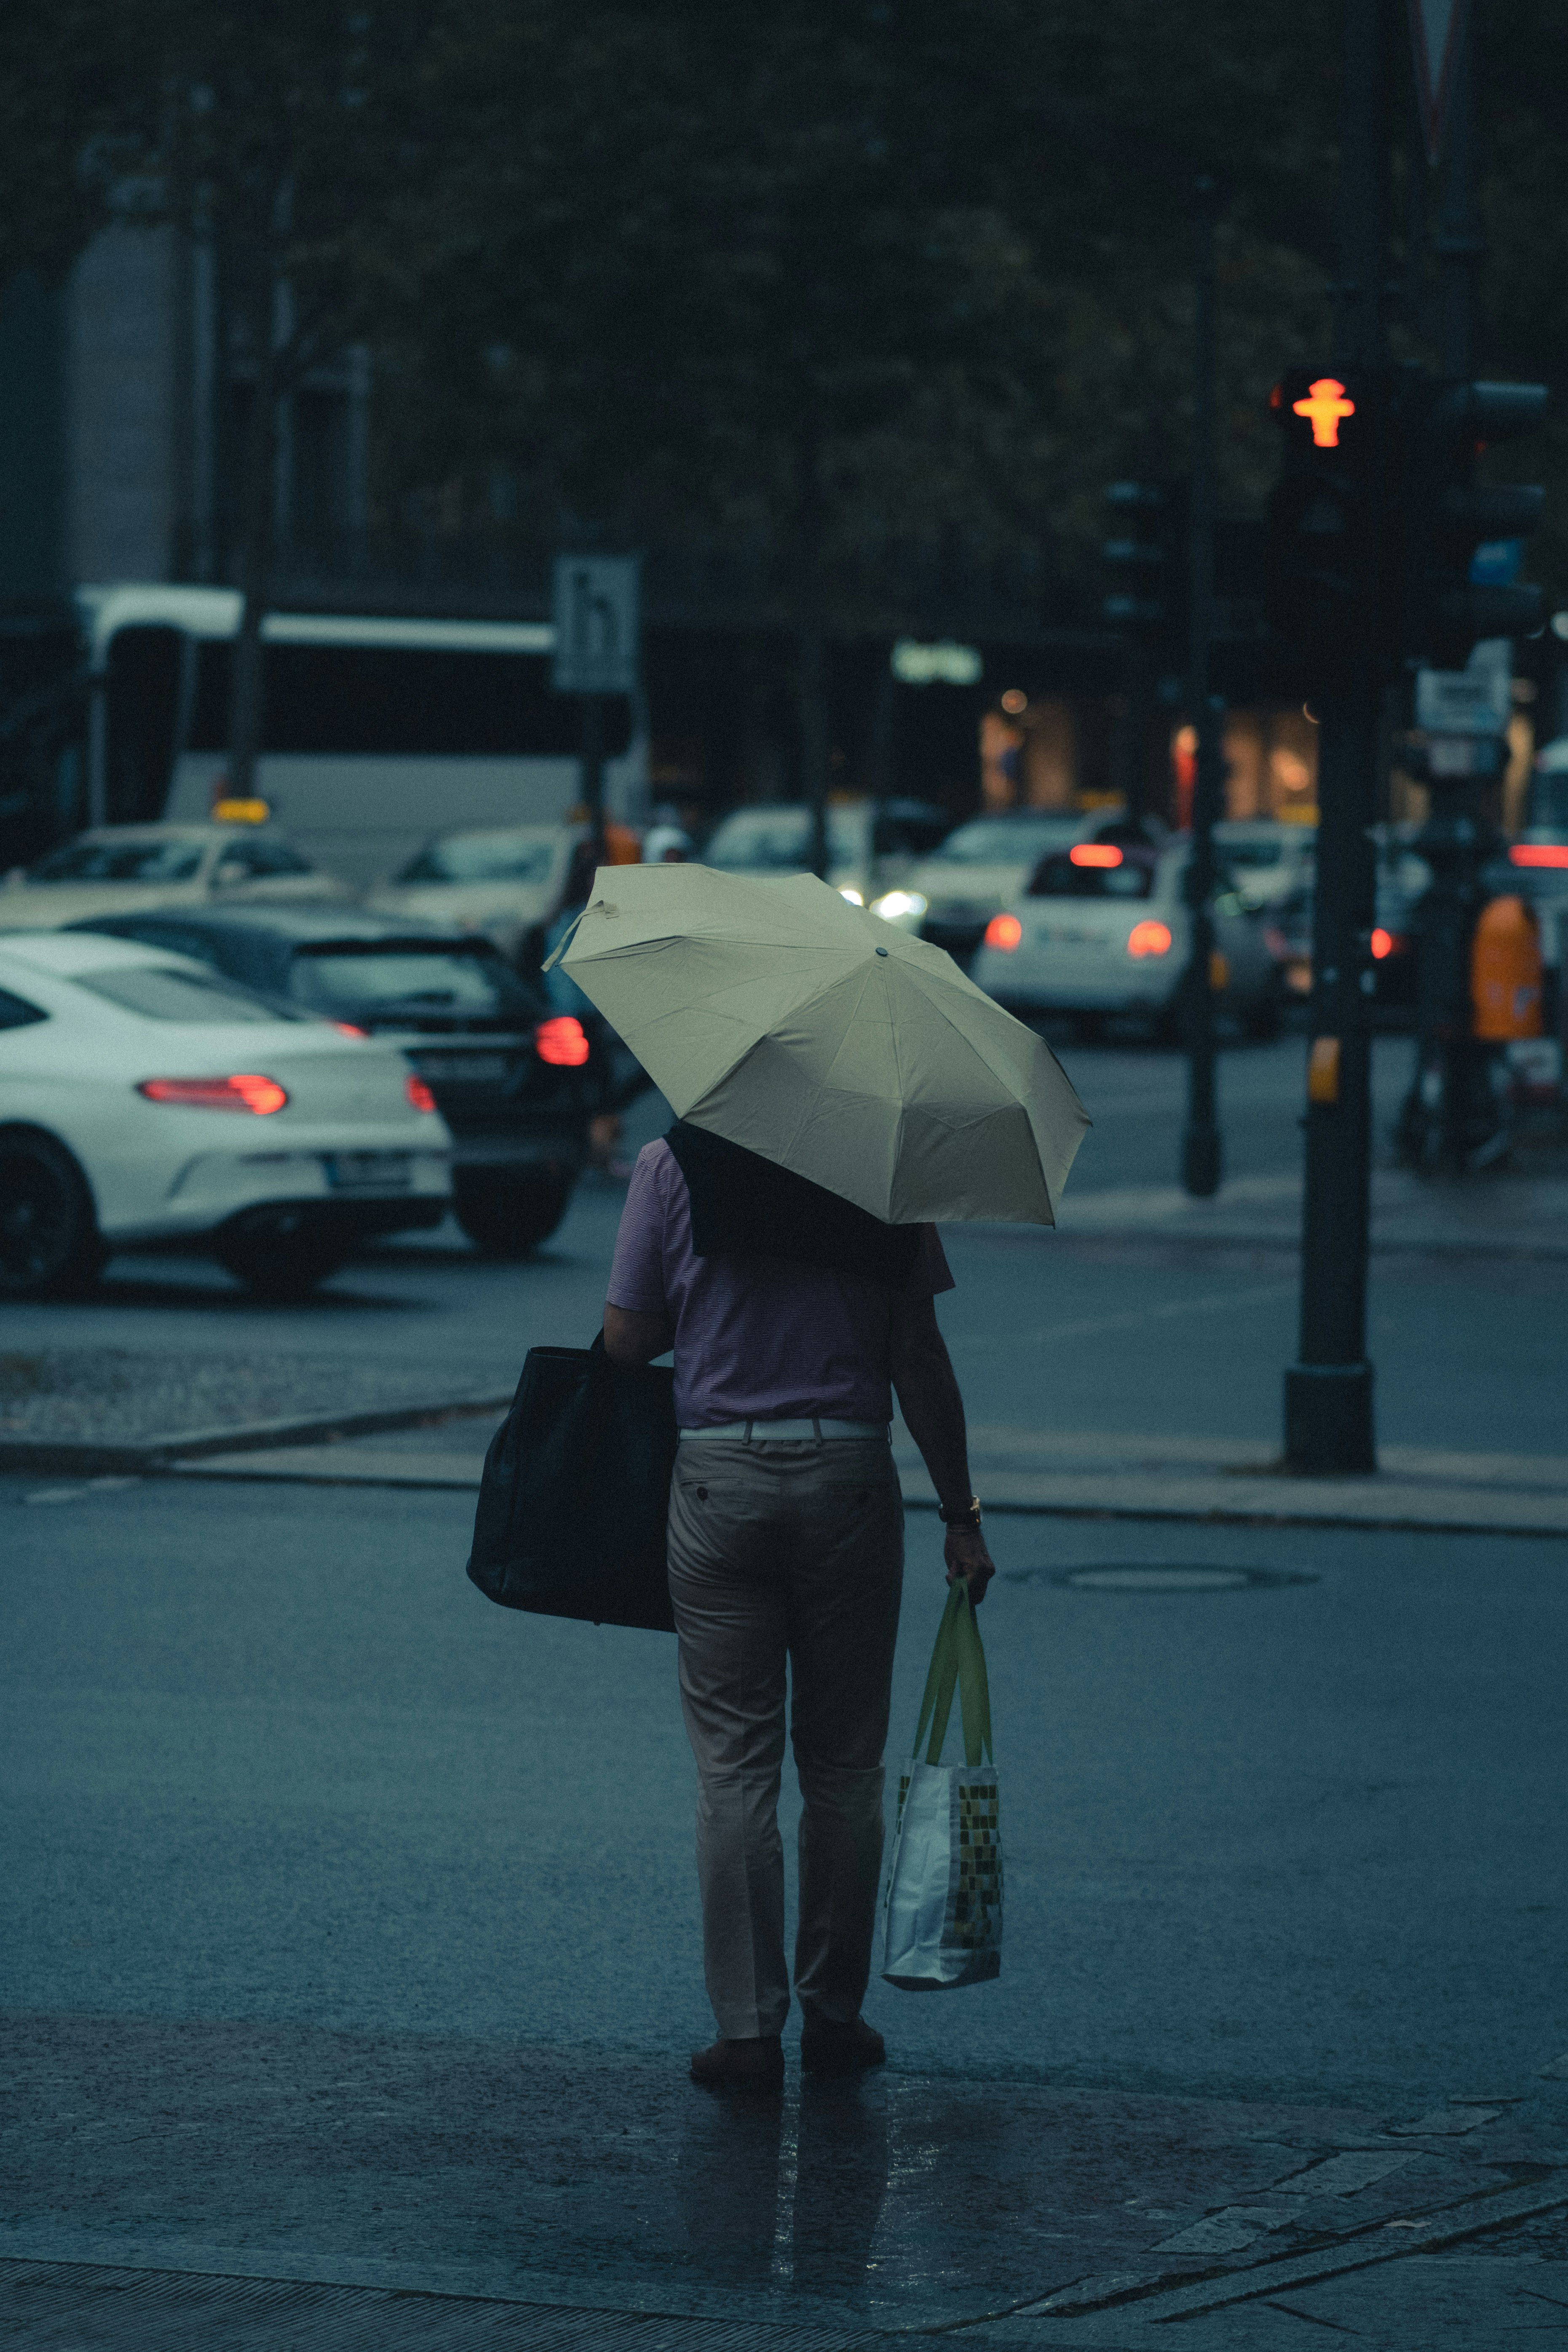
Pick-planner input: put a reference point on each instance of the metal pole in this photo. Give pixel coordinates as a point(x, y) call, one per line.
point(1329, 1392)
point(594, 771)
point(1200, 1150)
point(1457, 838)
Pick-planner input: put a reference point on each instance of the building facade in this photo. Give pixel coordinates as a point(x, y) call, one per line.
point(123, 401)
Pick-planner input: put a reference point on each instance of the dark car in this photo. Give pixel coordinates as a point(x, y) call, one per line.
point(1287, 930)
point(513, 1079)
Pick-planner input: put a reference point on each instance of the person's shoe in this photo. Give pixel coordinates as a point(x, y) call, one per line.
point(756, 2064)
point(829, 2049)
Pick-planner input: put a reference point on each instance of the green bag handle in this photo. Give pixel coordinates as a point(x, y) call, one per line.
point(958, 1659)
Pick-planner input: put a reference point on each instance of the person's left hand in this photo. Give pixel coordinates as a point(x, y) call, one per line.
point(966, 1556)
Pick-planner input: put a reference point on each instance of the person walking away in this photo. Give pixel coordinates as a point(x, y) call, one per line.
point(793, 1317)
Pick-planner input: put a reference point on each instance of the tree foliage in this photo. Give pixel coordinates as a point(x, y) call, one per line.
point(817, 277)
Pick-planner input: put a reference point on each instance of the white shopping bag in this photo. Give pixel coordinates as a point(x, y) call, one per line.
point(941, 1913)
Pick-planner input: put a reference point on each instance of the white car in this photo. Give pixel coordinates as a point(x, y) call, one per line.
point(118, 869)
point(1268, 862)
point(950, 895)
point(872, 846)
point(146, 1100)
point(1102, 928)
point(506, 884)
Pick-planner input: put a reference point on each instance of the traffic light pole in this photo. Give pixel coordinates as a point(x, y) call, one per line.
point(1200, 1150)
point(1329, 1391)
point(1457, 838)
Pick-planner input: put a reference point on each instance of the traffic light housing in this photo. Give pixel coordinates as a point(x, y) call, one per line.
point(1331, 569)
point(1448, 514)
point(1147, 566)
point(1376, 517)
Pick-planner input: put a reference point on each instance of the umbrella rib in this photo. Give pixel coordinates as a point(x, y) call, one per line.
point(981, 1045)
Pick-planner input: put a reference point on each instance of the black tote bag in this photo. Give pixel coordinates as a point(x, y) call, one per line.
point(572, 1510)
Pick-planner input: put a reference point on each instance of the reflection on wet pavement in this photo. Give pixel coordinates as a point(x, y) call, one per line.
point(554, 2175)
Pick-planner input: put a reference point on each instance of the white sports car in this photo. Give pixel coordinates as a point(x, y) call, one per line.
point(1102, 928)
point(145, 1099)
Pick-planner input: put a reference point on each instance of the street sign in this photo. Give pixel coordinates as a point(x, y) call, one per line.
point(1436, 29)
point(1475, 700)
point(595, 625)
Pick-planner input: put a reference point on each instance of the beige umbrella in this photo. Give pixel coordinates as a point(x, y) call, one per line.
point(779, 1016)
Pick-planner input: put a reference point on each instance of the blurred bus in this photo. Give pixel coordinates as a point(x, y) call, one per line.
point(377, 732)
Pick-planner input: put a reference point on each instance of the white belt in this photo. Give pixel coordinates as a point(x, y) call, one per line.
point(760, 1431)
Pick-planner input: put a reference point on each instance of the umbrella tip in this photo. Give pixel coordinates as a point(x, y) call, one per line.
point(881, 951)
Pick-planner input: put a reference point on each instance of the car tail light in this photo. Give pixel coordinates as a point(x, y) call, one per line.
point(419, 1093)
point(563, 1042)
point(1539, 853)
point(1149, 938)
point(1386, 944)
point(245, 1092)
point(1094, 853)
point(1003, 931)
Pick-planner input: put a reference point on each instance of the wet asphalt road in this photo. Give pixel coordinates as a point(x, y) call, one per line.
point(269, 1755)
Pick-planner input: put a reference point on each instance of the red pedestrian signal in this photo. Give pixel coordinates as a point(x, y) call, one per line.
point(1324, 405)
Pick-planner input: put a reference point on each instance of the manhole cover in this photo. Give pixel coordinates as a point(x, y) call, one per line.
point(1132, 1576)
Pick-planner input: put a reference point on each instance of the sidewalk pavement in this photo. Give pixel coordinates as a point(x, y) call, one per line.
point(1099, 1474)
point(421, 2190)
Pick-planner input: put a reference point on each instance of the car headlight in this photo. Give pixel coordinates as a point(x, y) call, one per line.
point(899, 906)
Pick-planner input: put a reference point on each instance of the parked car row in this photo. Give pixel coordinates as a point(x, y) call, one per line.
point(146, 1100)
point(162, 988)
point(312, 1016)
point(509, 1077)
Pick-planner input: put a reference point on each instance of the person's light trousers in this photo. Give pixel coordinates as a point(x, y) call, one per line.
point(786, 1550)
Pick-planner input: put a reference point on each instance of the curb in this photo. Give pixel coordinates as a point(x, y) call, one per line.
point(1173, 1514)
point(330, 1473)
point(89, 1459)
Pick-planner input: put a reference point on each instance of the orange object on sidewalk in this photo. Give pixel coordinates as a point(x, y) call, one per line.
point(1505, 971)
point(1323, 1071)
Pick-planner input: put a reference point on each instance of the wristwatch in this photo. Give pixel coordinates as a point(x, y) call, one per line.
point(968, 1518)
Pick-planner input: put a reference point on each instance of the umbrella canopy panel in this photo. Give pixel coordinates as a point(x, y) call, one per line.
point(778, 1015)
